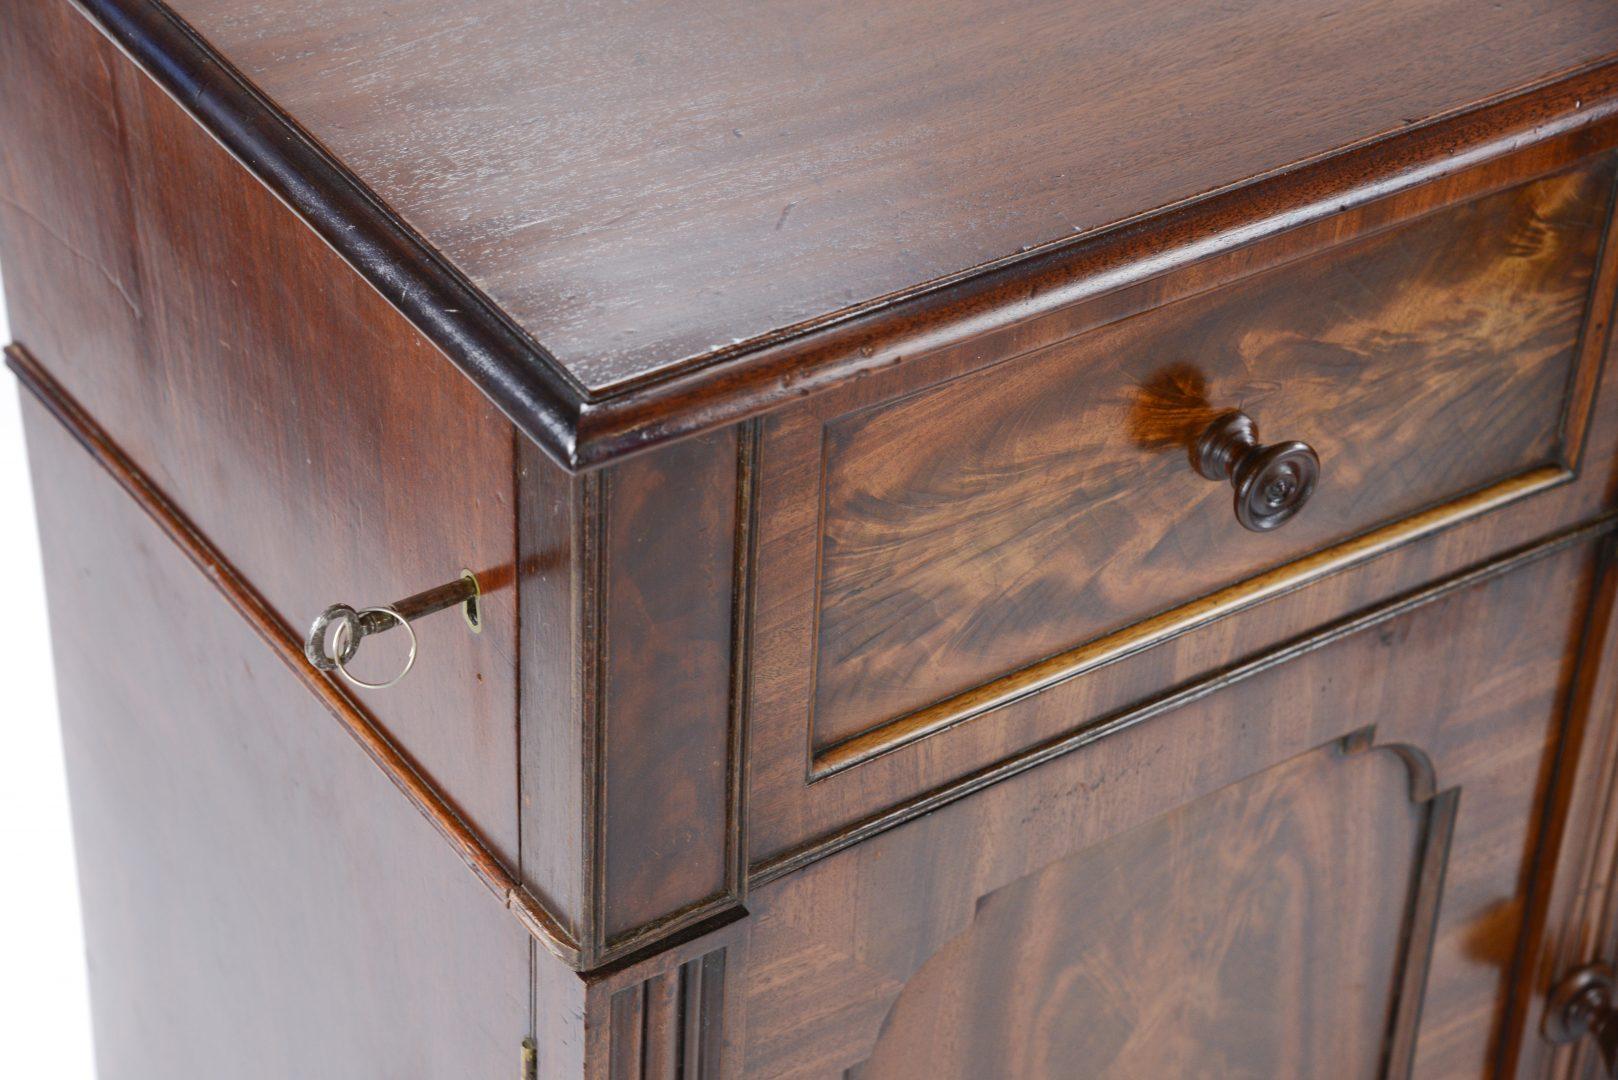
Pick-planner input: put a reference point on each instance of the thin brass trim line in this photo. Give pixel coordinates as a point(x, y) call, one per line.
point(1171, 624)
point(863, 829)
point(466, 841)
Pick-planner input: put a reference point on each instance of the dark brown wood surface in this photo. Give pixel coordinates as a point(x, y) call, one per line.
point(1168, 899)
point(640, 187)
point(1031, 507)
point(556, 680)
point(1571, 913)
point(578, 427)
point(323, 448)
point(631, 782)
point(1297, 976)
point(810, 793)
point(310, 433)
point(945, 693)
point(259, 900)
point(558, 994)
point(668, 540)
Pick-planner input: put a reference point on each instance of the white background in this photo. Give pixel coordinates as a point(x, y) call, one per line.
point(44, 1007)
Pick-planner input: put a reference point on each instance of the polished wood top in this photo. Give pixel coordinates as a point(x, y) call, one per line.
point(642, 186)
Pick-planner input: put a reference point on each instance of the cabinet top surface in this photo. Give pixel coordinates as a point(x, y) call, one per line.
point(641, 186)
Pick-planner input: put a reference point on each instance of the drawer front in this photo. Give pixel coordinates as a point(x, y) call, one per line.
point(1021, 540)
point(1026, 510)
point(296, 419)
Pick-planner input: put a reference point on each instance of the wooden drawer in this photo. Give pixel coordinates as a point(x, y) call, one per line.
point(1037, 508)
point(1030, 517)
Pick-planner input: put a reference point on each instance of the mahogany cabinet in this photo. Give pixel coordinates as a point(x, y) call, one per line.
point(936, 539)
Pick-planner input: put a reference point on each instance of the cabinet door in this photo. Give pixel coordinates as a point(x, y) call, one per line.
point(1327, 861)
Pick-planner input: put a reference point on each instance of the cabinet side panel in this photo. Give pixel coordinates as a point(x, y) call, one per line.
point(307, 430)
point(73, 288)
point(247, 873)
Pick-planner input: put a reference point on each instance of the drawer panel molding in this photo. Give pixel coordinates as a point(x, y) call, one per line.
point(976, 529)
point(997, 533)
point(1000, 545)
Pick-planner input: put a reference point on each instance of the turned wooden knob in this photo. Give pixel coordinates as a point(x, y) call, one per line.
point(1581, 1006)
point(1272, 482)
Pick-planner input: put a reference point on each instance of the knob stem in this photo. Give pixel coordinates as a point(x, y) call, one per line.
point(1227, 439)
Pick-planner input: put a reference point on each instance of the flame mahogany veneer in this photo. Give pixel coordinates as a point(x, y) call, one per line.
point(870, 685)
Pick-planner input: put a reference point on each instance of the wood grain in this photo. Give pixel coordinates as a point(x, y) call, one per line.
point(312, 435)
point(579, 430)
point(468, 844)
point(670, 1027)
point(806, 797)
point(1023, 511)
point(1480, 697)
point(337, 456)
point(255, 891)
point(640, 188)
point(668, 526)
point(1323, 802)
point(1573, 885)
point(1111, 957)
point(556, 684)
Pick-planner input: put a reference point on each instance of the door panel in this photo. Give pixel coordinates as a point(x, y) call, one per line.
point(1124, 935)
point(1317, 863)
